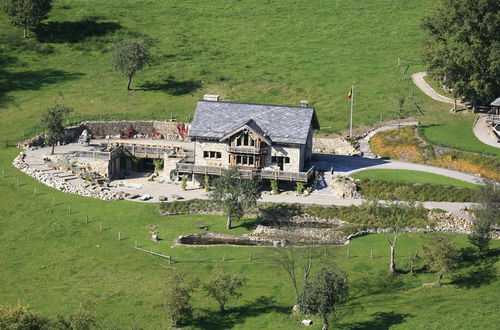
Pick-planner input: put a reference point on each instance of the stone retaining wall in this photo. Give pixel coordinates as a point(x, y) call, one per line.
point(60, 184)
point(101, 129)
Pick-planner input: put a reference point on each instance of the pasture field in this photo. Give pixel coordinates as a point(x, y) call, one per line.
point(246, 51)
point(51, 260)
point(412, 177)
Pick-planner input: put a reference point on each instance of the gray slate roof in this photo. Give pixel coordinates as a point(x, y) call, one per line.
point(280, 124)
point(496, 103)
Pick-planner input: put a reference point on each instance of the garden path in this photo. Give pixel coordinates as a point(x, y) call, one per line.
point(484, 133)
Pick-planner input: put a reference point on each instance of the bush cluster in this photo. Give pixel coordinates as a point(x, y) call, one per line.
point(387, 190)
point(364, 215)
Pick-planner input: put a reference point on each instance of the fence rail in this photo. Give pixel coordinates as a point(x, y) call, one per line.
point(247, 174)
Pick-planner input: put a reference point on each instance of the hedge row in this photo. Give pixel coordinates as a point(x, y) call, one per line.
point(387, 190)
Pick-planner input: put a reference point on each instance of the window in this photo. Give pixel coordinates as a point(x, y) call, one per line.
point(279, 159)
point(245, 139)
point(212, 154)
point(245, 160)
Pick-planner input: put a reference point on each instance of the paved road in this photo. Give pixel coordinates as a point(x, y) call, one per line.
point(483, 132)
point(345, 165)
point(418, 79)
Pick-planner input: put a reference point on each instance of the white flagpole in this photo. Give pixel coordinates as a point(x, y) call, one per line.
point(352, 106)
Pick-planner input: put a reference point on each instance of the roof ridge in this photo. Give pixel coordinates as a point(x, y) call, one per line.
point(262, 104)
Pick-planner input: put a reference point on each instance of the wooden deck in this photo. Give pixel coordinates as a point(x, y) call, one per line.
point(247, 174)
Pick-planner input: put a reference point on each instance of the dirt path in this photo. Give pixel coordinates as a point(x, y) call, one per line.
point(418, 79)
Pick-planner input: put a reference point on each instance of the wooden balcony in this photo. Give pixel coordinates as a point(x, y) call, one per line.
point(247, 174)
point(246, 150)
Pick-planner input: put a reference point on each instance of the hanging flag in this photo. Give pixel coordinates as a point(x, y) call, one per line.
point(350, 94)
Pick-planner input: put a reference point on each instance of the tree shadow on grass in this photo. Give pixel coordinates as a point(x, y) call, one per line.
point(72, 32)
point(248, 224)
point(476, 276)
point(34, 79)
point(381, 320)
point(378, 284)
point(237, 315)
point(172, 86)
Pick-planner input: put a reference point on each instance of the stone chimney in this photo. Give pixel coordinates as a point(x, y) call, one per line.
point(210, 97)
point(304, 103)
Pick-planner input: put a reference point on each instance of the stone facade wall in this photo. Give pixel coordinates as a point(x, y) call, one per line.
point(98, 166)
point(296, 161)
point(201, 146)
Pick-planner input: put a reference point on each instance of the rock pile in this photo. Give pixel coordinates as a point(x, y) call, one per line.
point(339, 146)
point(344, 187)
point(60, 184)
point(299, 235)
point(446, 222)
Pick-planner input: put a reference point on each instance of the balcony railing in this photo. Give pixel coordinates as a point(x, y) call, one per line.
point(247, 174)
point(246, 150)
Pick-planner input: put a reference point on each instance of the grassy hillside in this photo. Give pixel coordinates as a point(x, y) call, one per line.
point(52, 260)
point(277, 52)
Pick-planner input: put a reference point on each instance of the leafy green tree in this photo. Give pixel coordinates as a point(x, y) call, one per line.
point(463, 48)
point(486, 215)
point(324, 294)
point(52, 123)
point(83, 318)
point(178, 293)
point(441, 254)
point(222, 286)
point(27, 13)
point(129, 58)
point(21, 318)
point(234, 194)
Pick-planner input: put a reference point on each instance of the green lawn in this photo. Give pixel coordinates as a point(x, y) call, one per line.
point(245, 51)
point(458, 135)
point(411, 176)
point(53, 259)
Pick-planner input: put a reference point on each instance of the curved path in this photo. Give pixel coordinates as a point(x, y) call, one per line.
point(481, 130)
point(484, 133)
point(418, 79)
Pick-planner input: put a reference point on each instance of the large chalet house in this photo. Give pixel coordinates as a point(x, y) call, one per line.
point(262, 141)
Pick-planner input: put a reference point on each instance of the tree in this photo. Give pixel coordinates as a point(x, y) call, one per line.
point(394, 217)
point(178, 293)
point(486, 215)
point(297, 262)
point(82, 318)
point(441, 254)
point(463, 48)
point(51, 121)
point(19, 317)
point(130, 57)
point(222, 286)
point(27, 13)
point(234, 194)
point(324, 294)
